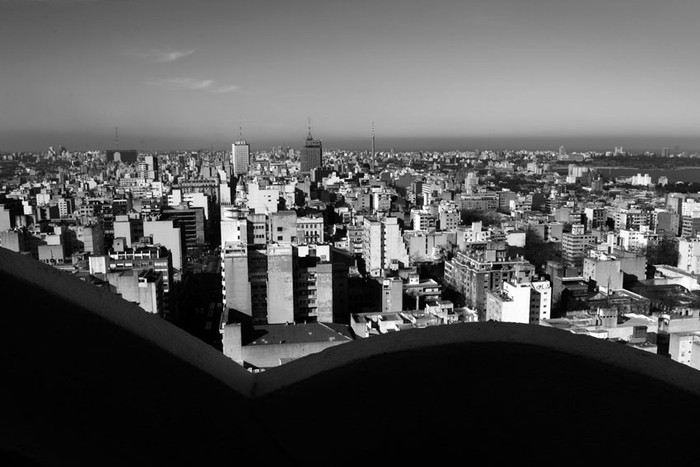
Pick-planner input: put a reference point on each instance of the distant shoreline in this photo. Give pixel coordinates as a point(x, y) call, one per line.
point(620, 167)
point(647, 168)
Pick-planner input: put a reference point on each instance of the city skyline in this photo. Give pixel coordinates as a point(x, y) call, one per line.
point(429, 76)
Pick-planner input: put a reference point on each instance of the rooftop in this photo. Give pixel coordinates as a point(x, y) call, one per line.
point(271, 334)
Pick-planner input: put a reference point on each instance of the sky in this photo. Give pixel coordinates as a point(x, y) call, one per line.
point(430, 75)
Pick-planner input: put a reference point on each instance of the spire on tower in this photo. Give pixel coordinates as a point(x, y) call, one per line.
point(372, 155)
point(309, 137)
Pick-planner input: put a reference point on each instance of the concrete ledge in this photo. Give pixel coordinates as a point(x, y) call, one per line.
point(89, 379)
point(616, 355)
point(123, 314)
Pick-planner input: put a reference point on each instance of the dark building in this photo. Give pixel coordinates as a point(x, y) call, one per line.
point(11, 213)
point(190, 220)
point(106, 216)
point(127, 156)
point(311, 154)
point(122, 205)
point(318, 173)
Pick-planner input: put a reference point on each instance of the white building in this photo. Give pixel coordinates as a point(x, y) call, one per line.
point(197, 200)
point(631, 240)
point(520, 302)
point(641, 180)
point(448, 216)
point(233, 224)
point(540, 301)
point(310, 230)
point(511, 304)
point(422, 219)
point(165, 233)
point(473, 234)
point(681, 346)
point(689, 255)
point(383, 247)
point(262, 200)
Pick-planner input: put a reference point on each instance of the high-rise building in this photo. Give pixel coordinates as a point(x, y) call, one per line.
point(236, 285)
point(143, 287)
point(131, 229)
point(240, 157)
point(305, 283)
point(88, 238)
point(170, 236)
point(575, 245)
point(148, 168)
point(595, 217)
point(471, 183)
point(311, 155)
point(190, 220)
point(200, 200)
point(127, 156)
point(16, 240)
point(540, 301)
point(320, 286)
point(383, 246)
point(475, 272)
point(153, 258)
point(233, 225)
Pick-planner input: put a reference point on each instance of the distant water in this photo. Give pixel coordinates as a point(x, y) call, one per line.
point(674, 175)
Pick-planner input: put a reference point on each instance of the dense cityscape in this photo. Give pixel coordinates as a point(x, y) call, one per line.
point(347, 233)
point(272, 255)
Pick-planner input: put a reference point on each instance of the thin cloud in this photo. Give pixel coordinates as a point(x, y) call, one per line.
point(183, 83)
point(193, 84)
point(226, 89)
point(162, 56)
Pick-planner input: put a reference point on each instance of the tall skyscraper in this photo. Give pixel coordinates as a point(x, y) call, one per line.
point(311, 155)
point(240, 157)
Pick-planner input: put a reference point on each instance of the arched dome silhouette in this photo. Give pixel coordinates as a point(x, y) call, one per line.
point(89, 379)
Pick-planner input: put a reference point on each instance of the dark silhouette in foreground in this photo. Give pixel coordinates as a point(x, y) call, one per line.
point(89, 379)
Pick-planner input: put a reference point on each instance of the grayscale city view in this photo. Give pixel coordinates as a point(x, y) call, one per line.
point(306, 233)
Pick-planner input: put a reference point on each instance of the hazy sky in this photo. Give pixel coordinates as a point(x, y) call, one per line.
point(430, 74)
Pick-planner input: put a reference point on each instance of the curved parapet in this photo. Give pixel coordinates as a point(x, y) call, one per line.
point(91, 379)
